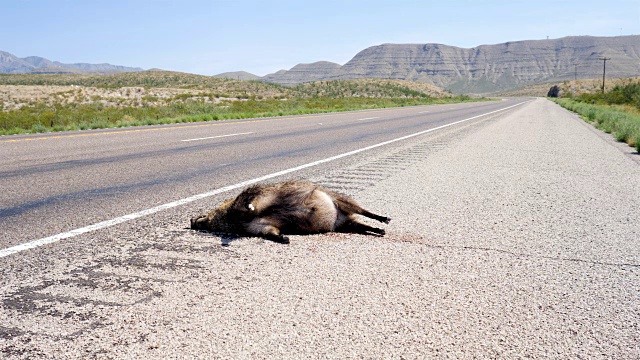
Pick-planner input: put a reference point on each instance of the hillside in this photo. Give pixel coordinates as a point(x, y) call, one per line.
point(482, 69)
point(163, 88)
point(369, 88)
point(148, 79)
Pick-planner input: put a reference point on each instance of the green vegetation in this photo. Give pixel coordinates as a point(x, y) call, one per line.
point(147, 98)
point(371, 88)
point(616, 112)
point(625, 94)
point(42, 118)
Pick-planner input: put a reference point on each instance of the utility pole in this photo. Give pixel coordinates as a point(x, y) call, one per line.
point(604, 70)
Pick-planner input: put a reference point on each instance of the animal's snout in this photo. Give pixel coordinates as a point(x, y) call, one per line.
point(197, 222)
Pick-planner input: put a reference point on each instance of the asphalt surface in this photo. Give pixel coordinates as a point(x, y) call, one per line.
point(59, 182)
point(513, 235)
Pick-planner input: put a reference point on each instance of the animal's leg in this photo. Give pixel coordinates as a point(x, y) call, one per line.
point(272, 233)
point(356, 227)
point(348, 206)
point(262, 227)
point(371, 215)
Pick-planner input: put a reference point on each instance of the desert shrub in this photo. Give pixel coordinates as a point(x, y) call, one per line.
point(38, 128)
point(627, 94)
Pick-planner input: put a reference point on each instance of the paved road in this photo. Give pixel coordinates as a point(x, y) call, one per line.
point(514, 235)
point(56, 183)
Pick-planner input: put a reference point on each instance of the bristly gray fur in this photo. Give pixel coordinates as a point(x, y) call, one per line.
point(291, 207)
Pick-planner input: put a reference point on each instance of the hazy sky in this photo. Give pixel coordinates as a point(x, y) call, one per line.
point(261, 37)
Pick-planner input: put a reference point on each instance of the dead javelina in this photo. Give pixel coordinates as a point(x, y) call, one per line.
point(291, 207)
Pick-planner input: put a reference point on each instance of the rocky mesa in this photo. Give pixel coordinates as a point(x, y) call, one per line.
point(482, 69)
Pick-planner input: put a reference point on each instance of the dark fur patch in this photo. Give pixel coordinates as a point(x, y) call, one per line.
point(290, 207)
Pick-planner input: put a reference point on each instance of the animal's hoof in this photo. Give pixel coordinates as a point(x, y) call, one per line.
point(280, 239)
point(283, 240)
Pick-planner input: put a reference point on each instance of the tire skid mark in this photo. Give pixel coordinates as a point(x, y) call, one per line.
point(355, 179)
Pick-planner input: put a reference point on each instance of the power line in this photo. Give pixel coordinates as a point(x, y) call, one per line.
point(604, 69)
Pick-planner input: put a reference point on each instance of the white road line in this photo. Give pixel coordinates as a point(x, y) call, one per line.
point(371, 118)
point(119, 220)
point(424, 112)
point(219, 136)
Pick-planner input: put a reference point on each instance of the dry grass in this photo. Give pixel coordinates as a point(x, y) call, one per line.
point(14, 97)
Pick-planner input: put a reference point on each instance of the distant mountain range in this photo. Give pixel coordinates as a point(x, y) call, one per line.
point(11, 64)
point(482, 69)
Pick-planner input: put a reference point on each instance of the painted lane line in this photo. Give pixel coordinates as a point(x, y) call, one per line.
point(125, 218)
point(370, 118)
point(424, 112)
point(216, 137)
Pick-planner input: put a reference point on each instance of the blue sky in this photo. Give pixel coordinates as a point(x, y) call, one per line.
point(261, 37)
